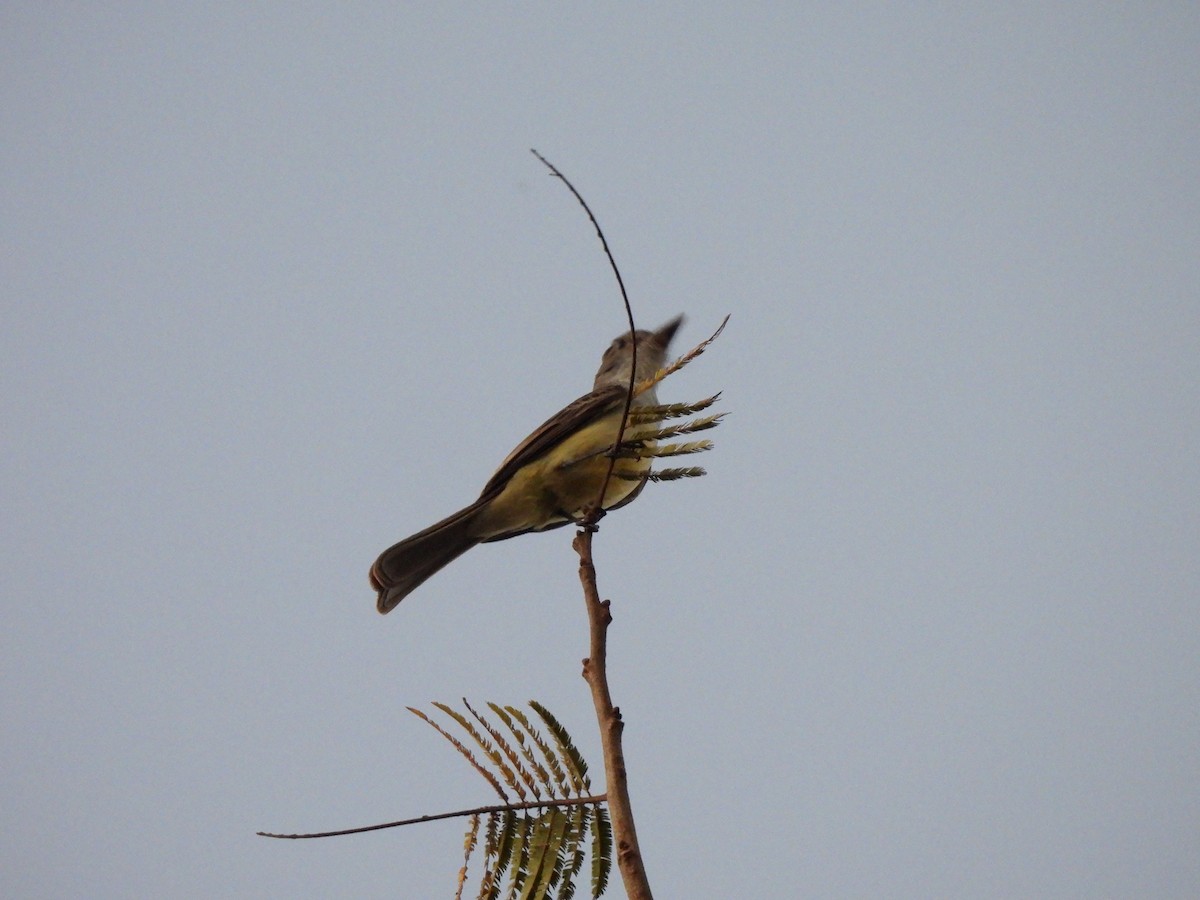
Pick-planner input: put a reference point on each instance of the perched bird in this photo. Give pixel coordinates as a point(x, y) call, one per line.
point(550, 479)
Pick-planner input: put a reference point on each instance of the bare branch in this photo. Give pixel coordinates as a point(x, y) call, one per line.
point(595, 672)
point(478, 811)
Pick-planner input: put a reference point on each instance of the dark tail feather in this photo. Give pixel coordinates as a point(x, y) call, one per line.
point(401, 569)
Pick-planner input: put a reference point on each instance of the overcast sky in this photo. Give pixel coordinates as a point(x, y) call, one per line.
point(283, 284)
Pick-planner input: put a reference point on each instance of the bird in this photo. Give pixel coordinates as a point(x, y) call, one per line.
point(551, 478)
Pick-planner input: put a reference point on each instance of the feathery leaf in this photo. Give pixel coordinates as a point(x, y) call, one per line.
point(533, 853)
point(574, 848)
point(544, 842)
point(679, 449)
point(518, 867)
point(679, 363)
point(514, 763)
point(601, 851)
point(676, 474)
point(689, 427)
point(494, 753)
point(657, 411)
point(461, 748)
point(577, 765)
point(527, 745)
point(469, 844)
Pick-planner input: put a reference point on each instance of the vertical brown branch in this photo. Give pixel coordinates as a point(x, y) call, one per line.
point(608, 717)
point(595, 667)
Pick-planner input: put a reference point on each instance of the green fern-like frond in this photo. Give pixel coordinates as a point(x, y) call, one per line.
point(538, 866)
point(570, 858)
point(549, 757)
point(525, 743)
point(518, 857)
point(601, 851)
point(515, 759)
point(568, 752)
point(491, 834)
point(498, 830)
point(535, 849)
point(546, 839)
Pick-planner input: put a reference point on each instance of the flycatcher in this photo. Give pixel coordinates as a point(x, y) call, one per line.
point(550, 479)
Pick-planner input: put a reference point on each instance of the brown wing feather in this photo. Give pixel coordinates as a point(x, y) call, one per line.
point(566, 421)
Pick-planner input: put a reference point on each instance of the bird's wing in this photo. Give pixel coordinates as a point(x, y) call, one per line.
point(553, 431)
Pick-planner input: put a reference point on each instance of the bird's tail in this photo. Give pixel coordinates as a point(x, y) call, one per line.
point(403, 568)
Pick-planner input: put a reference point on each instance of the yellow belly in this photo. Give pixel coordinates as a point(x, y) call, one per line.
point(560, 484)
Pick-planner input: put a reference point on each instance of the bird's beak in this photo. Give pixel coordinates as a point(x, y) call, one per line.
point(663, 336)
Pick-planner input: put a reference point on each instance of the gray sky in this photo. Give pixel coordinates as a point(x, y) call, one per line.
point(282, 284)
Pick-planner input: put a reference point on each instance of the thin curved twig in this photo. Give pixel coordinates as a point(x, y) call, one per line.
point(594, 516)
